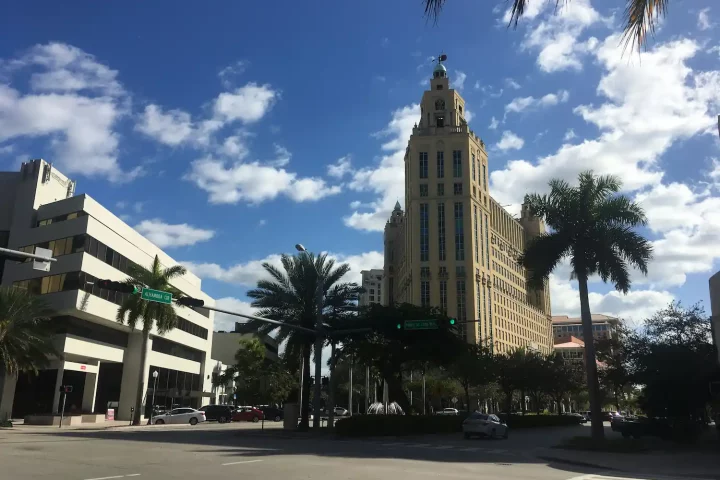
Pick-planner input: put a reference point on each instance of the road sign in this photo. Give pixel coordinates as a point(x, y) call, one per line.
point(156, 296)
point(454, 400)
point(421, 324)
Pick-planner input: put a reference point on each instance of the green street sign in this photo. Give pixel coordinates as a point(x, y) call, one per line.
point(156, 296)
point(421, 324)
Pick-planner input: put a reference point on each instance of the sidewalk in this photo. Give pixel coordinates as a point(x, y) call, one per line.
point(667, 464)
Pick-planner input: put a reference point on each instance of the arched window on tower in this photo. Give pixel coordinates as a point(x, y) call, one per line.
point(439, 104)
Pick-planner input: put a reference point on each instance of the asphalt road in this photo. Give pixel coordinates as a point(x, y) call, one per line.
point(212, 451)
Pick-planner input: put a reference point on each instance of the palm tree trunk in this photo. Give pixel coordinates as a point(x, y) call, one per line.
point(305, 400)
point(596, 422)
point(141, 380)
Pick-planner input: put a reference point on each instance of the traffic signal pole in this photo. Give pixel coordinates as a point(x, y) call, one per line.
point(261, 319)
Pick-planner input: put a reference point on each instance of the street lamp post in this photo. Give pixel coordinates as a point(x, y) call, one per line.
point(152, 412)
point(319, 341)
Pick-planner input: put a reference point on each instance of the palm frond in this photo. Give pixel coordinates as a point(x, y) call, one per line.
point(641, 17)
point(542, 255)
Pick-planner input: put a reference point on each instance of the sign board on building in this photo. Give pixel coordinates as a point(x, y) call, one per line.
point(39, 264)
point(156, 296)
point(83, 367)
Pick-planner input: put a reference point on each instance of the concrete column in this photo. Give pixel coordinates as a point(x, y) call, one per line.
point(131, 375)
point(7, 394)
point(88, 401)
point(58, 384)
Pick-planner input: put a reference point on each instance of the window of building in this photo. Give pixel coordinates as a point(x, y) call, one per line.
point(423, 165)
point(477, 239)
point(443, 295)
point(459, 233)
point(425, 293)
point(163, 345)
point(440, 189)
point(424, 233)
point(424, 272)
point(457, 163)
point(484, 177)
point(441, 231)
point(441, 164)
point(439, 121)
point(457, 188)
point(459, 270)
point(460, 289)
point(473, 167)
point(372, 291)
point(423, 190)
point(60, 218)
point(438, 87)
point(439, 105)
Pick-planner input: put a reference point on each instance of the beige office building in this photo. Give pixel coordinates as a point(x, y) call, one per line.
point(454, 246)
point(372, 284)
point(100, 358)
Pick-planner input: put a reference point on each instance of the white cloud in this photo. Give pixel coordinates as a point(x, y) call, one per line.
point(469, 115)
point(685, 104)
point(703, 21)
point(75, 102)
point(253, 182)
point(636, 305)
point(247, 274)
point(512, 84)
point(459, 81)
point(282, 156)
point(228, 73)
point(387, 178)
point(533, 8)
point(493, 123)
point(235, 146)
point(172, 128)
point(557, 37)
point(342, 167)
point(569, 135)
point(247, 104)
point(225, 322)
point(165, 235)
point(509, 141)
point(522, 104)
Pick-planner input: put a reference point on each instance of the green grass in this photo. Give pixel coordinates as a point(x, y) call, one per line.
point(609, 445)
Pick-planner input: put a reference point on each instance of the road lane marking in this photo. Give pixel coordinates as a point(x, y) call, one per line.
point(234, 463)
point(115, 476)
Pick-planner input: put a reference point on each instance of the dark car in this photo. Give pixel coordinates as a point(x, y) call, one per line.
point(221, 413)
point(272, 413)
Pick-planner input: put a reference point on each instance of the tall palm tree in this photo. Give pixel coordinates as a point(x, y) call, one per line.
point(25, 332)
point(159, 315)
point(592, 225)
point(290, 296)
point(641, 16)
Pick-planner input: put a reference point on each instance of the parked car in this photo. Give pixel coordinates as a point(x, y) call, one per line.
point(340, 411)
point(272, 413)
point(484, 425)
point(580, 418)
point(447, 411)
point(248, 414)
point(219, 413)
point(180, 415)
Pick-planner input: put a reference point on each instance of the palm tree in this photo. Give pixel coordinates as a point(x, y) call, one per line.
point(159, 315)
point(592, 225)
point(25, 332)
point(641, 16)
point(290, 296)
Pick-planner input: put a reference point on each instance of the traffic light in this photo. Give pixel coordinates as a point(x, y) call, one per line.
point(190, 302)
point(451, 321)
point(121, 287)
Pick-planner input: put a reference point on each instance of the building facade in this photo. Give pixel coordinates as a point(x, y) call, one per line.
point(454, 246)
point(100, 357)
point(373, 287)
point(604, 327)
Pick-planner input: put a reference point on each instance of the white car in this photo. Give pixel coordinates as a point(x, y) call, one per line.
point(180, 415)
point(485, 425)
point(340, 412)
point(447, 411)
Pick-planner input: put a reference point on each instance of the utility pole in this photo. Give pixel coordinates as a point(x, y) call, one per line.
point(367, 388)
point(331, 387)
point(350, 390)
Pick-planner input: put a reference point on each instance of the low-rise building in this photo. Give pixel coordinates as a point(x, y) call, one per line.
point(100, 357)
point(604, 326)
point(226, 344)
point(372, 284)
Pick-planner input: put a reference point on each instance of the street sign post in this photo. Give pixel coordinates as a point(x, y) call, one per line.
point(454, 400)
point(156, 296)
point(430, 324)
point(42, 265)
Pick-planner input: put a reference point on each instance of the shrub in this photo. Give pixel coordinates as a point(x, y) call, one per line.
point(534, 421)
point(383, 425)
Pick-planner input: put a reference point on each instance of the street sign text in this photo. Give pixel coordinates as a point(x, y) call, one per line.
point(421, 324)
point(156, 296)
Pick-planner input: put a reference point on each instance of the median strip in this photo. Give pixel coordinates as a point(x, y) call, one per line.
point(238, 463)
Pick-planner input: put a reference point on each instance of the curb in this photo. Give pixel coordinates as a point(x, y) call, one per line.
point(577, 463)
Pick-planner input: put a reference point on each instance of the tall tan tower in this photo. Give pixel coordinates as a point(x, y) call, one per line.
point(454, 246)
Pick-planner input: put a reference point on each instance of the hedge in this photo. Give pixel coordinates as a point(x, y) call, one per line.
point(385, 425)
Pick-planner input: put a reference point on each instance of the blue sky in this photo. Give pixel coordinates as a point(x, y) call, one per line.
point(228, 133)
